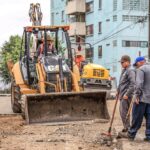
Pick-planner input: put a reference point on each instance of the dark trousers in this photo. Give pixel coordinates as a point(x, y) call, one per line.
point(138, 113)
point(124, 107)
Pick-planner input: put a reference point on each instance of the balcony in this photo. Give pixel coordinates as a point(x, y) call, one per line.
point(77, 28)
point(75, 6)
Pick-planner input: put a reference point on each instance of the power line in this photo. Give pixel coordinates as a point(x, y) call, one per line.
point(107, 34)
point(112, 35)
point(141, 20)
point(120, 10)
point(108, 37)
point(119, 26)
point(127, 14)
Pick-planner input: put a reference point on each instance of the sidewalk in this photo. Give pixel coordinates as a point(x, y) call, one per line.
point(5, 105)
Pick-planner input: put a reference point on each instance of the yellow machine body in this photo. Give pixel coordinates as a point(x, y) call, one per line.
point(96, 75)
point(95, 71)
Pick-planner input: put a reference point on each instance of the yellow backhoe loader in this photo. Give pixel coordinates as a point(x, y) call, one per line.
point(46, 85)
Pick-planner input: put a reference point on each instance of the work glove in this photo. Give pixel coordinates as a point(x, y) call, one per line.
point(117, 94)
point(136, 100)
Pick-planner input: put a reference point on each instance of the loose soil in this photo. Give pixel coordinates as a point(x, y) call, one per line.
point(16, 135)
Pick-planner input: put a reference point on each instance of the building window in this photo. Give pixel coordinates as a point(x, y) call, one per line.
point(100, 27)
point(138, 5)
point(77, 18)
point(100, 51)
point(80, 39)
point(143, 44)
point(100, 4)
point(62, 16)
point(114, 43)
point(89, 7)
point(89, 53)
point(114, 18)
point(132, 18)
point(107, 20)
point(114, 5)
point(52, 19)
point(89, 30)
point(144, 5)
point(126, 43)
point(125, 18)
point(108, 44)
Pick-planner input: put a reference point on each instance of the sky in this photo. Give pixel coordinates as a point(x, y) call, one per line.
point(14, 16)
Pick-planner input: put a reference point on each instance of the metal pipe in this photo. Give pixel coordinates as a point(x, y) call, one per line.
point(45, 43)
point(27, 49)
point(70, 57)
point(56, 40)
point(61, 73)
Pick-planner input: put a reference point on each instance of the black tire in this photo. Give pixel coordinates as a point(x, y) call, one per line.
point(15, 98)
point(23, 107)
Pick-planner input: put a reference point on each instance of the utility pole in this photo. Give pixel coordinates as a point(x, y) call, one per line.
point(149, 31)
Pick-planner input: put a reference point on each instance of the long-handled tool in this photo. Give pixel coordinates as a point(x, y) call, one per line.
point(127, 117)
point(112, 118)
point(129, 110)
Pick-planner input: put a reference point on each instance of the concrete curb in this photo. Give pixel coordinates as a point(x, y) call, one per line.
point(5, 94)
point(11, 114)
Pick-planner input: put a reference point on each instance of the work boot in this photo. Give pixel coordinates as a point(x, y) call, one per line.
point(125, 130)
point(125, 135)
point(147, 139)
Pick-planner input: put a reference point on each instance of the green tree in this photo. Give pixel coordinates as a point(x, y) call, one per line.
point(10, 50)
point(61, 48)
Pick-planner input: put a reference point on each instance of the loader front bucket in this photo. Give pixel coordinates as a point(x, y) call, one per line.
point(62, 107)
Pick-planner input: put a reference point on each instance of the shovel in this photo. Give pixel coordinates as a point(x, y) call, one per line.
point(112, 118)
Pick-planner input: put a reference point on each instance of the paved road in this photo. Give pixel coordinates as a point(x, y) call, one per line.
point(5, 105)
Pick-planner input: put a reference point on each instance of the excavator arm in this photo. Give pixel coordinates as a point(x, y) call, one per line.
point(35, 14)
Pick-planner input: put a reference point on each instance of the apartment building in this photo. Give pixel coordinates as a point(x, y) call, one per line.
point(110, 26)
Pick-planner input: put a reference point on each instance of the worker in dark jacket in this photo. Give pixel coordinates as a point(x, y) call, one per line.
point(141, 107)
point(126, 89)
